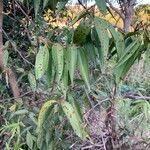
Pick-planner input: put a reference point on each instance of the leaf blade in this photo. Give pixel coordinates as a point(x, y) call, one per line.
point(41, 63)
point(101, 5)
point(83, 66)
point(74, 120)
point(58, 59)
point(72, 50)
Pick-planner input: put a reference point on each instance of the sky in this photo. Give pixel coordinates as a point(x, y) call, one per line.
point(139, 1)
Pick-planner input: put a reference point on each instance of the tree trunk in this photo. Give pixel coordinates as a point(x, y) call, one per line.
point(127, 23)
point(128, 9)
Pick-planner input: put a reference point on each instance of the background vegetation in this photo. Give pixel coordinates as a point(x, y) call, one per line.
point(74, 77)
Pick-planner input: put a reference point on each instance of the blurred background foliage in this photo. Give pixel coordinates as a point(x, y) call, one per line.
point(29, 25)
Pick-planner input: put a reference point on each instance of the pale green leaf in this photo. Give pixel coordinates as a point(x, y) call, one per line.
point(45, 2)
point(5, 57)
point(147, 56)
point(58, 59)
point(72, 51)
point(101, 5)
point(64, 81)
point(103, 37)
point(29, 140)
point(32, 81)
point(36, 6)
point(50, 70)
point(61, 5)
point(19, 113)
point(41, 63)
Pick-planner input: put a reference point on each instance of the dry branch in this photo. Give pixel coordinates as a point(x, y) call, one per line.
point(137, 97)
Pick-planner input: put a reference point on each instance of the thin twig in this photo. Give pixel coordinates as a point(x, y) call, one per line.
point(21, 96)
point(79, 1)
point(23, 11)
point(99, 103)
point(136, 97)
point(17, 49)
point(115, 9)
point(90, 100)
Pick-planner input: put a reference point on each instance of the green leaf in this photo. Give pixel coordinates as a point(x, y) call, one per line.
point(147, 57)
point(36, 6)
point(76, 107)
point(91, 51)
point(64, 80)
point(50, 70)
point(102, 32)
point(5, 57)
point(83, 66)
point(58, 59)
point(72, 51)
point(101, 5)
point(121, 69)
point(51, 145)
point(128, 52)
point(21, 112)
point(29, 140)
point(32, 81)
point(118, 38)
point(81, 32)
point(98, 49)
point(74, 120)
point(45, 2)
point(50, 4)
point(41, 62)
point(61, 5)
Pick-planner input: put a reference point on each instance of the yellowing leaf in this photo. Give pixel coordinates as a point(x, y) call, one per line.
point(13, 108)
point(43, 114)
point(74, 120)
